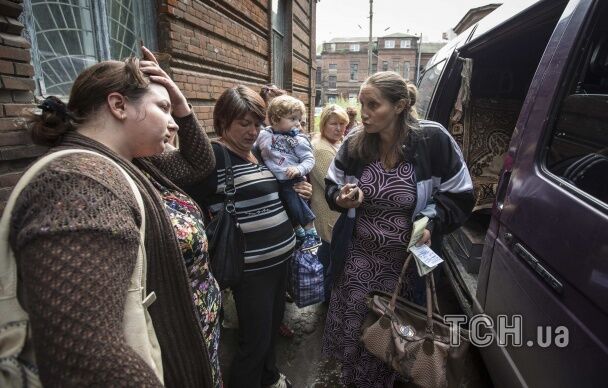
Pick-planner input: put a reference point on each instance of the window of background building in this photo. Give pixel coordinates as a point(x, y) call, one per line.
point(406, 43)
point(333, 66)
point(396, 66)
point(319, 75)
point(331, 99)
point(332, 81)
point(406, 70)
point(354, 71)
point(352, 98)
point(374, 68)
point(389, 44)
point(68, 36)
point(354, 47)
point(278, 43)
point(332, 47)
point(384, 65)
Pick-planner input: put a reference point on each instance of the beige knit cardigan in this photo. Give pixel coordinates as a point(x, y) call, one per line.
point(324, 154)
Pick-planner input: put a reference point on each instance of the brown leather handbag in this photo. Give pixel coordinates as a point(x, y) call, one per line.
point(414, 342)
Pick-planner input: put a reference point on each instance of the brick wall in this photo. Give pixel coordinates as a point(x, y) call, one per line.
point(16, 93)
point(216, 44)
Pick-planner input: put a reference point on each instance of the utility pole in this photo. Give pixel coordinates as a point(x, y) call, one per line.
point(418, 64)
point(370, 46)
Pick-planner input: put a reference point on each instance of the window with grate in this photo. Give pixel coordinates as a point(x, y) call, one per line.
point(69, 35)
point(333, 66)
point(354, 47)
point(389, 44)
point(406, 43)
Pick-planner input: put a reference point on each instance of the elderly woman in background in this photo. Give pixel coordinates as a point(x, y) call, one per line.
point(332, 122)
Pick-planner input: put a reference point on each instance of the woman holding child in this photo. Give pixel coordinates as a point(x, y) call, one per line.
point(260, 297)
point(391, 172)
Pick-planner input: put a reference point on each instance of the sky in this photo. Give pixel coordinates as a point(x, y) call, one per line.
point(342, 18)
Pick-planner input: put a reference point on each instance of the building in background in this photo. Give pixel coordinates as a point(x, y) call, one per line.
point(206, 45)
point(343, 62)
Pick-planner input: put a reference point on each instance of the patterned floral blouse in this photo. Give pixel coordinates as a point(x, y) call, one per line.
point(189, 227)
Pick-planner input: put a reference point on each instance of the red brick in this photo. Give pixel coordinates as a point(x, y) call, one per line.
point(14, 53)
point(22, 96)
point(14, 40)
point(10, 25)
point(7, 67)
point(11, 8)
point(24, 69)
point(17, 83)
point(16, 110)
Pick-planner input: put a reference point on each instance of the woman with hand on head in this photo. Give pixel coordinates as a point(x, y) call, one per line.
point(260, 296)
point(392, 171)
point(75, 233)
point(332, 123)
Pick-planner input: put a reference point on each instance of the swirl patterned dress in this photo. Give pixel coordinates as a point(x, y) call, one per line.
point(188, 225)
point(375, 258)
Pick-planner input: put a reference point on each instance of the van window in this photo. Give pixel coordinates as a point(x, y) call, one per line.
point(577, 152)
point(426, 88)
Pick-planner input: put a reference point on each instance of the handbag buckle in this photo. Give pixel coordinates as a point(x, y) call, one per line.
point(406, 331)
point(230, 208)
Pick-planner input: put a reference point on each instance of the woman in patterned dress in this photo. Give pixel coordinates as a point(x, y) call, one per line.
point(386, 175)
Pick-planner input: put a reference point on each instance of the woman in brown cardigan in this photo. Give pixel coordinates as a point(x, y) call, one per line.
point(75, 232)
point(332, 122)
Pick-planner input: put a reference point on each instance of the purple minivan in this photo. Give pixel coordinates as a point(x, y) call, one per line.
point(525, 94)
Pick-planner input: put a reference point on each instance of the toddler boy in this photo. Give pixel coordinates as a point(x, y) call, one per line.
point(287, 152)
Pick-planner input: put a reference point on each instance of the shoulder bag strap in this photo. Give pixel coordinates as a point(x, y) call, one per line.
point(8, 265)
point(229, 188)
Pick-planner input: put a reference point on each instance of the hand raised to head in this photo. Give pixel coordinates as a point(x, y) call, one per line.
point(149, 66)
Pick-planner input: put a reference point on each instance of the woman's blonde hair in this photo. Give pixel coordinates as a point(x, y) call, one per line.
point(329, 111)
point(394, 88)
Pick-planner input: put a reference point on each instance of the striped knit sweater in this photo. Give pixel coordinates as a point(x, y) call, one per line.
point(268, 232)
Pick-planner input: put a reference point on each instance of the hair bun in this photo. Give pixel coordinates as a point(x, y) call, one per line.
point(55, 105)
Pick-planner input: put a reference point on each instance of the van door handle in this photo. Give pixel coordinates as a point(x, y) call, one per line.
point(540, 269)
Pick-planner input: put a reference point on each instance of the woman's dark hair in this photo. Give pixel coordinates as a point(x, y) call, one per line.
point(88, 94)
point(270, 91)
point(394, 88)
point(234, 104)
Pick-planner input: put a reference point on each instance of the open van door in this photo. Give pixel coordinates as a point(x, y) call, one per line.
point(546, 252)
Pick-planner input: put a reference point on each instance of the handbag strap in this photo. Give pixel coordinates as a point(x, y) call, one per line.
point(429, 298)
point(229, 187)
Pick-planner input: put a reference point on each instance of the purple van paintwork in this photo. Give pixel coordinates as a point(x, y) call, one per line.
point(561, 227)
